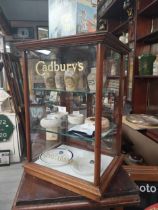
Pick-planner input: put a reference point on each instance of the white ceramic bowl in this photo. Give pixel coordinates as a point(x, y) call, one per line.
point(49, 123)
point(53, 120)
point(76, 119)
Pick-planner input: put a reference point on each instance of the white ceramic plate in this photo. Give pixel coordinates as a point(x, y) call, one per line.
point(142, 119)
point(56, 157)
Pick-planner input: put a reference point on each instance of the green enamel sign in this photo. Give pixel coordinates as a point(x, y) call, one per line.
point(6, 128)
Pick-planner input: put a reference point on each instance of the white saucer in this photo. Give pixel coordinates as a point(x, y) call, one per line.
point(83, 166)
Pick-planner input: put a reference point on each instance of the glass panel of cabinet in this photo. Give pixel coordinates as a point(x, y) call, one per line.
point(73, 101)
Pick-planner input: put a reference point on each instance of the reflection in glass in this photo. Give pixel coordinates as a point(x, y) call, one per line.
point(110, 99)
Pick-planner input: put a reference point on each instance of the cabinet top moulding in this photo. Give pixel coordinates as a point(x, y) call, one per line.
point(93, 38)
point(114, 9)
point(151, 10)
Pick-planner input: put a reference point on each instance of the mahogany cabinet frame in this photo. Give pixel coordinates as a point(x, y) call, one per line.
point(88, 189)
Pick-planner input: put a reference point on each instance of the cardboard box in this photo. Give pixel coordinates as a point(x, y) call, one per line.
point(71, 17)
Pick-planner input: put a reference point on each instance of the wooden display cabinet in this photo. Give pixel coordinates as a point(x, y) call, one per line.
point(73, 106)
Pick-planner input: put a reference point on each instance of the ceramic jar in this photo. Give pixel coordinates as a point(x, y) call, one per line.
point(122, 38)
point(51, 127)
point(52, 123)
point(82, 84)
point(155, 66)
point(113, 68)
point(146, 61)
point(92, 79)
point(59, 80)
point(71, 79)
point(49, 80)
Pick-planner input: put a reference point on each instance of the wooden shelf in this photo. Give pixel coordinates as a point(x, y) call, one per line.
point(121, 28)
point(113, 10)
point(151, 10)
point(114, 77)
point(149, 38)
point(146, 77)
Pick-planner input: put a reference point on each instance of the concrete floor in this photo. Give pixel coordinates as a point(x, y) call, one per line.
point(9, 181)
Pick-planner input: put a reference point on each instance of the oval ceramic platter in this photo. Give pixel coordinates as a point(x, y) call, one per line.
point(56, 157)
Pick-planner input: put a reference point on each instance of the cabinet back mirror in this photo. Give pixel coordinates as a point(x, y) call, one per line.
point(62, 87)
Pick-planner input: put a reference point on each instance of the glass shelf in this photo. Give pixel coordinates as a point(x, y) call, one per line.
point(81, 92)
point(110, 132)
point(66, 134)
point(64, 91)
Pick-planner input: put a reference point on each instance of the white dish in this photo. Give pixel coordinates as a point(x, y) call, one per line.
point(142, 119)
point(56, 157)
point(49, 123)
point(83, 166)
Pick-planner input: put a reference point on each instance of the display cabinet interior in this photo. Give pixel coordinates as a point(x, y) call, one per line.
point(73, 105)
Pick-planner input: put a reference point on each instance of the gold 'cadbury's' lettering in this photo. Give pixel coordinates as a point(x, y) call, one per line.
point(41, 67)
